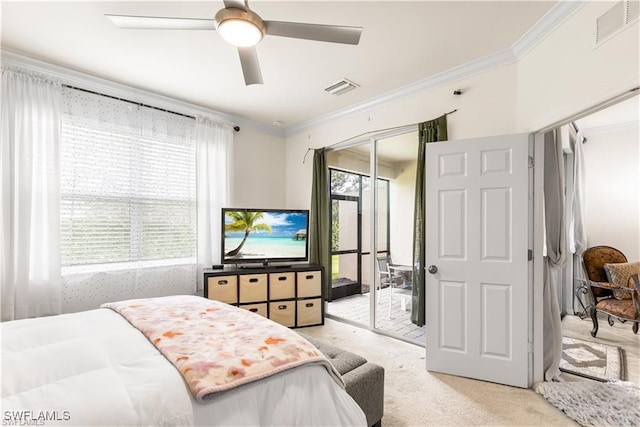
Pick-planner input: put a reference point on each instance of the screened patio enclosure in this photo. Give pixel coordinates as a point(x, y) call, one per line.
point(350, 240)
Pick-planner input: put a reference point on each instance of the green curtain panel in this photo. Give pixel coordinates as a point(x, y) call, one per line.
point(319, 225)
point(431, 131)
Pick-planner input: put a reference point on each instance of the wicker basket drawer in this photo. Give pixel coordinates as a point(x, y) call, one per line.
point(223, 288)
point(309, 312)
point(309, 284)
point(282, 285)
point(283, 312)
point(253, 287)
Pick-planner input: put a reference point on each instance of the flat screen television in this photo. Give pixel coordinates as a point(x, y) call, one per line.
point(264, 235)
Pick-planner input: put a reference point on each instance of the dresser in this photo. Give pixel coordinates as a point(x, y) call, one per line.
point(291, 296)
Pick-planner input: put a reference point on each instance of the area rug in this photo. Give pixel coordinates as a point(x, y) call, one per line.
point(595, 404)
point(592, 360)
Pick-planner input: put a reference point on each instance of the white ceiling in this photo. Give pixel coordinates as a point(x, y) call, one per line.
point(402, 42)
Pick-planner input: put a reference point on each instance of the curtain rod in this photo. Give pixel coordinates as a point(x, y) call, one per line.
point(576, 129)
point(140, 104)
point(369, 132)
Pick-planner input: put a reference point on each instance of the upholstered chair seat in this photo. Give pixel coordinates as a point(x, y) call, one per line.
point(612, 285)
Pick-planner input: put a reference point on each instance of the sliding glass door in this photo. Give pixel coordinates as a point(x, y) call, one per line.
point(372, 234)
point(396, 162)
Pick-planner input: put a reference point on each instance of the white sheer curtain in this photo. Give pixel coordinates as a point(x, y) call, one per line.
point(577, 222)
point(555, 249)
point(214, 141)
point(577, 230)
point(29, 157)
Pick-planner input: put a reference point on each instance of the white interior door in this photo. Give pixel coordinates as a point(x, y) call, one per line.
point(477, 302)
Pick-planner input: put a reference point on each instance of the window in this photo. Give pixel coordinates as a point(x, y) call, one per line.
point(128, 182)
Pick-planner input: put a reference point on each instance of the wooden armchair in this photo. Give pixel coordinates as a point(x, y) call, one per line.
point(607, 297)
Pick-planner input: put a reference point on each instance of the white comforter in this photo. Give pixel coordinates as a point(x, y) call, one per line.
point(94, 368)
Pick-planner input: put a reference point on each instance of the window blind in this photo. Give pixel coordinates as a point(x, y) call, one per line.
point(128, 182)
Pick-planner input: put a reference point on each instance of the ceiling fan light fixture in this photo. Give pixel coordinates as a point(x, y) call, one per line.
point(239, 27)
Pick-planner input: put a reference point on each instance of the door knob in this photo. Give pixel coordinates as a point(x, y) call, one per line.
point(432, 269)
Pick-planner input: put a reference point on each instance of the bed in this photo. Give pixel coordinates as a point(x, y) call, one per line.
point(97, 368)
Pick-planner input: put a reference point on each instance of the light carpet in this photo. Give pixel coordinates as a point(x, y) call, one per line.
point(592, 360)
point(595, 404)
point(415, 397)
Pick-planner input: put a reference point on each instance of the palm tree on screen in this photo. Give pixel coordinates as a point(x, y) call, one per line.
point(245, 222)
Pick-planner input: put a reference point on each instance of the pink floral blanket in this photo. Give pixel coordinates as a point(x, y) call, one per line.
point(216, 346)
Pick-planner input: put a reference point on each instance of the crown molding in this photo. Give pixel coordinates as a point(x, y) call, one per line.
point(94, 83)
point(545, 25)
point(451, 75)
point(554, 17)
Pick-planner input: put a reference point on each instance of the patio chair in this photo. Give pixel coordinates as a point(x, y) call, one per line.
point(393, 279)
point(612, 285)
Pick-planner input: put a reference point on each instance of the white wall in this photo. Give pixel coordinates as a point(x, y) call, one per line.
point(402, 195)
point(566, 73)
point(353, 161)
point(612, 165)
point(485, 108)
point(258, 170)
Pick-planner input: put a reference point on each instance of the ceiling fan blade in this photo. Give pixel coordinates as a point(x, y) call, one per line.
point(250, 65)
point(238, 4)
point(161, 23)
point(324, 33)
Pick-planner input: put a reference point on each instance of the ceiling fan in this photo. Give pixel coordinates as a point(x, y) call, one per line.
point(240, 26)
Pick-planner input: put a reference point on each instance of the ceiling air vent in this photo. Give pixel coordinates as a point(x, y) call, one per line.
point(610, 22)
point(338, 88)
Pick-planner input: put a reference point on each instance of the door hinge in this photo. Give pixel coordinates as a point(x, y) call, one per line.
point(531, 162)
point(530, 254)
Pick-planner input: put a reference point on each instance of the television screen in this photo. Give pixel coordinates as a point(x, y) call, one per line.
point(265, 235)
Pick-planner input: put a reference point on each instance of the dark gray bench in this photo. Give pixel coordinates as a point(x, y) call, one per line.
point(364, 380)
